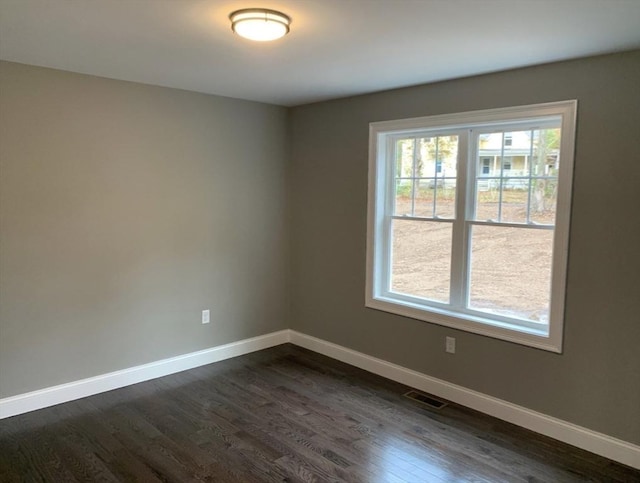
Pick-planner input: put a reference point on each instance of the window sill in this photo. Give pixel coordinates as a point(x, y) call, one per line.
point(467, 323)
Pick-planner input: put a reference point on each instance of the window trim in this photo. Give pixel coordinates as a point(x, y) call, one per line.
point(380, 170)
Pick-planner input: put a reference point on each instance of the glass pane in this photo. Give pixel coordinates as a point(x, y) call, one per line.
point(404, 192)
point(426, 160)
point(424, 198)
point(486, 166)
point(504, 154)
point(438, 156)
point(427, 165)
point(511, 271)
point(446, 198)
point(489, 141)
point(517, 151)
point(544, 194)
point(546, 152)
point(516, 166)
point(430, 161)
point(447, 162)
point(507, 162)
point(489, 154)
point(515, 196)
point(404, 158)
point(487, 199)
point(421, 259)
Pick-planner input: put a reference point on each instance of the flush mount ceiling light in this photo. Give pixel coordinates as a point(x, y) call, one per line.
point(259, 24)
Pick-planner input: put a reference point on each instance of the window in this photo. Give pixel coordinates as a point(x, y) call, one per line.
point(486, 165)
point(468, 231)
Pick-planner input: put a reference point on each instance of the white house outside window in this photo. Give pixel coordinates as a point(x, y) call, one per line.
point(469, 220)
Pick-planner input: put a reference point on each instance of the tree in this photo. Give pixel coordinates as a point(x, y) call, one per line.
point(432, 149)
point(438, 149)
point(544, 160)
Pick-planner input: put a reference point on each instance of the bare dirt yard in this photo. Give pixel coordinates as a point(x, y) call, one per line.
point(510, 267)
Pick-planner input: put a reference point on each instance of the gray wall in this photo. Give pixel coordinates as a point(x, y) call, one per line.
point(596, 381)
point(125, 210)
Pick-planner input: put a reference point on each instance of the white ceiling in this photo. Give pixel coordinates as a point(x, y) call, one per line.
point(336, 48)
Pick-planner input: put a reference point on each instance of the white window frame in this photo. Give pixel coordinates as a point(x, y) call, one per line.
point(380, 209)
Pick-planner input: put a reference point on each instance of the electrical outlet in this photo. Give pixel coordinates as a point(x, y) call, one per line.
point(205, 316)
point(450, 345)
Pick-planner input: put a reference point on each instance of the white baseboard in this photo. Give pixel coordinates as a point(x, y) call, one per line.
point(598, 443)
point(51, 396)
point(575, 435)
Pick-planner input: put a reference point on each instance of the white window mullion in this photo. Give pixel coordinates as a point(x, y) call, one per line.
point(414, 175)
point(501, 179)
point(459, 253)
point(470, 210)
point(389, 208)
point(530, 181)
point(435, 177)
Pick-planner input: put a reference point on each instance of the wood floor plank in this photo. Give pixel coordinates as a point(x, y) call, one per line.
point(283, 414)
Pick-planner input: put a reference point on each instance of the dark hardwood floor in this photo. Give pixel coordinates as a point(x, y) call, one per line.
point(282, 414)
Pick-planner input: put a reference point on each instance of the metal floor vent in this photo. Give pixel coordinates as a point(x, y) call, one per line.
point(425, 399)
